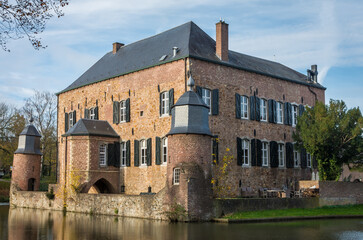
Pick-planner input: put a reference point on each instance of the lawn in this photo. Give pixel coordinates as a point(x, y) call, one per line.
point(300, 212)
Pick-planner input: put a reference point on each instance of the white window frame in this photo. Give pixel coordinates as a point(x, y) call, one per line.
point(102, 155)
point(207, 98)
point(164, 150)
point(244, 107)
point(143, 151)
point(263, 110)
point(122, 111)
point(296, 157)
point(265, 155)
point(165, 103)
point(70, 120)
point(92, 113)
point(280, 113)
point(294, 114)
point(308, 160)
point(281, 154)
point(123, 154)
point(176, 176)
point(245, 152)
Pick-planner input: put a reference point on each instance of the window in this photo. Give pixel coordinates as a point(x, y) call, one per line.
point(92, 113)
point(103, 152)
point(281, 154)
point(143, 149)
point(123, 154)
point(308, 160)
point(70, 120)
point(176, 176)
point(244, 107)
point(264, 154)
point(164, 153)
point(245, 152)
point(263, 109)
point(123, 111)
point(279, 113)
point(206, 98)
point(294, 115)
point(165, 103)
point(296, 157)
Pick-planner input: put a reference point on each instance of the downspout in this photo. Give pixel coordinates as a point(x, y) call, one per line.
point(57, 145)
point(316, 97)
point(185, 74)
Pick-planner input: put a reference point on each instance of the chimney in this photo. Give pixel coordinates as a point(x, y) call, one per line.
point(222, 40)
point(314, 70)
point(116, 46)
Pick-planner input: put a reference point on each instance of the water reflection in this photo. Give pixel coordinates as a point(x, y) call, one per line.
point(31, 224)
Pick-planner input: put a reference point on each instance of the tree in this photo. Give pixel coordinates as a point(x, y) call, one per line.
point(27, 18)
point(12, 124)
point(42, 107)
point(332, 134)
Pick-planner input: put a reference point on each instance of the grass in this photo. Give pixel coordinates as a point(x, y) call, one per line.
point(300, 212)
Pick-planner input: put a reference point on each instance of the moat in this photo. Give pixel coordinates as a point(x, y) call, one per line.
point(31, 224)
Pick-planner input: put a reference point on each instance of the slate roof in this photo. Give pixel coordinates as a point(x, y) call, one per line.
point(30, 130)
point(192, 42)
point(88, 127)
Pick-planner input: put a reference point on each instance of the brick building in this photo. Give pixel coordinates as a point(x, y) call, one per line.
point(113, 120)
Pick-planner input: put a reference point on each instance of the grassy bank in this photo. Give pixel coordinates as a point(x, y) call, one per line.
point(300, 212)
point(4, 191)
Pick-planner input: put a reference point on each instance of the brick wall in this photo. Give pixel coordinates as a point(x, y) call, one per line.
point(26, 166)
point(334, 193)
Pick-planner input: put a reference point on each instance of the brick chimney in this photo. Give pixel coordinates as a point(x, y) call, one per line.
point(116, 46)
point(222, 40)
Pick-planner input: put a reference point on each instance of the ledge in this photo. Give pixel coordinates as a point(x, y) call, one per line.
point(282, 219)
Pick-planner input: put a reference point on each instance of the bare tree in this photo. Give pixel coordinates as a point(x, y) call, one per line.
point(28, 18)
point(42, 107)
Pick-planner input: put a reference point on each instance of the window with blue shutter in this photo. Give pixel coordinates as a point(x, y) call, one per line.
point(238, 105)
point(65, 122)
point(253, 153)
point(116, 112)
point(239, 151)
point(270, 111)
point(136, 153)
point(128, 110)
point(117, 154)
point(171, 99)
point(258, 153)
point(257, 109)
point(96, 113)
point(289, 155)
point(215, 102)
point(86, 113)
point(252, 108)
point(274, 157)
point(148, 152)
point(128, 154)
point(157, 151)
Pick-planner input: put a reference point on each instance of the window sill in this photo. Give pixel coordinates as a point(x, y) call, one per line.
point(165, 115)
point(246, 166)
point(264, 121)
point(245, 118)
point(143, 166)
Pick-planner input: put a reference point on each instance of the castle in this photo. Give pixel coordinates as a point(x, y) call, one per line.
point(157, 115)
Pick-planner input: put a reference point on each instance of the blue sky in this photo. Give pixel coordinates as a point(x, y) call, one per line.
point(296, 33)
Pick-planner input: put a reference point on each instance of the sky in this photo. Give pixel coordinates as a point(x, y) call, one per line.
point(296, 33)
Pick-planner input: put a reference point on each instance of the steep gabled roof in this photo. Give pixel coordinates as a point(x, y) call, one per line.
point(88, 127)
point(192, 42)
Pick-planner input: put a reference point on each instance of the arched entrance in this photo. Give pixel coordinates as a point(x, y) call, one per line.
point(31, 184)
point(101, 186)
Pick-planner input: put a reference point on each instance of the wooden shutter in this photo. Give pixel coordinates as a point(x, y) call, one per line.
point(301, 109)
point(65, 122)
point(74, 117)
point(128, 110)
point(215, 151)
point(110, 154)
point(289, 155)
point(274, 155)
point(238, 105)
point(117, 154)
point(252, 108)
point(96, 113)
point(215, 102)
point(86, 113)
point(128, 153)
point(270, 111)
point(239, 151)
point(259, 153)
point(160, 103)
point(289, 109)
point(286, 114)
point(253, 153)
point(136, 153)
point(171, 99)
point(157, 151)
point(274, 111)
point(116, 112)
point(303, 158)
point(257, 109)
point(199, 91)
point(148, 152)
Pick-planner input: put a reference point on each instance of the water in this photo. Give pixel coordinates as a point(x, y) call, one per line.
point(32, 224)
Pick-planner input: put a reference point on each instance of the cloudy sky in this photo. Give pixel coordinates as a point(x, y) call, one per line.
point(296, 33)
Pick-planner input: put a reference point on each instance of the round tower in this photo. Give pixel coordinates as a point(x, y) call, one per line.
point(26, 164)
point(189, 170)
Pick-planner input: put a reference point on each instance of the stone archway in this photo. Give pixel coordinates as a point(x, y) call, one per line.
point(101, 186)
